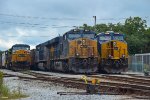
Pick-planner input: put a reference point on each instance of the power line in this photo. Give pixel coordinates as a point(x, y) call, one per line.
point(38, 25)
point(121, 18)
point(22, 23)
point(28, 36)
point(33, 17)
point(63, 18)
point(34, 25)
point(25, 24)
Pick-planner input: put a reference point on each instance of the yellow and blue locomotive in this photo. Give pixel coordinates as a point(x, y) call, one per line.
point(75, 51)
point(18, 57)
point(113, 52)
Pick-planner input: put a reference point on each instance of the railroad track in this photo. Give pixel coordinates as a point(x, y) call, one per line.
point(104, 87)
point(125, 79)
point(142, 81)
point(139, 76)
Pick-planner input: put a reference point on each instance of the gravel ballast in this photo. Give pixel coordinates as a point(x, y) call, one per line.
point(42, 90)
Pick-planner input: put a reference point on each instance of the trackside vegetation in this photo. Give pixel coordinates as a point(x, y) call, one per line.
point(6, 94)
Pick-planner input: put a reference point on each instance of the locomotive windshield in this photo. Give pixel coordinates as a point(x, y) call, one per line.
point(74, 36)
point(81, 34)
point(90, 36)
point(118, 37)
point(105, 38)
point(20, 48)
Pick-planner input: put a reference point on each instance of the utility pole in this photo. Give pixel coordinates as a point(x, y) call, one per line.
point(94, 23)
point(94, 20)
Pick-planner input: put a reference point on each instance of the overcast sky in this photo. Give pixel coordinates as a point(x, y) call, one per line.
point(36, 21)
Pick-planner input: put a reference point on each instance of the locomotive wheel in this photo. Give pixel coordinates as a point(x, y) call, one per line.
point(36, 67)
point(66, 68)
point(52, 66)
point(9, 66)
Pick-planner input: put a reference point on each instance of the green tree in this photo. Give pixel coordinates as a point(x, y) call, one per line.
point(134, 25)
point(116, 27)
point(101, 28)
point(147, 38)
point(135, 29)
point(85, 26)
point(135, 44)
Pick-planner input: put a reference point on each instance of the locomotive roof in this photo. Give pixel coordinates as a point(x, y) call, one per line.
point(20, 45)
point(80, 31)
point(52, 41)
point(109, 33)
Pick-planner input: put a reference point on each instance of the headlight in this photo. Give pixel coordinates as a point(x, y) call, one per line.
point(123, 56)
point(77, 54)
point(114, 44)
point(109, 56)
point(83, 41)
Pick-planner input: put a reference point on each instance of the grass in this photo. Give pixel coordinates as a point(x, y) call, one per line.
point(5, 92)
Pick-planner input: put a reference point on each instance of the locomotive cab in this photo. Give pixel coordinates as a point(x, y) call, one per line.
point(19, 57)
point(81, 50)
point(113, 52)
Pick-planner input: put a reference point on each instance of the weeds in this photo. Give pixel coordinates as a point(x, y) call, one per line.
point(5, 92)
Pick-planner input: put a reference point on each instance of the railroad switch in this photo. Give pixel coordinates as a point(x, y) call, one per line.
point(90, 88)
point(146, 73)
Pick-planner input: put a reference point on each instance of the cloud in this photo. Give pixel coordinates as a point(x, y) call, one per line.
point(5, 44)
point(25, 36)
point(84, 10)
